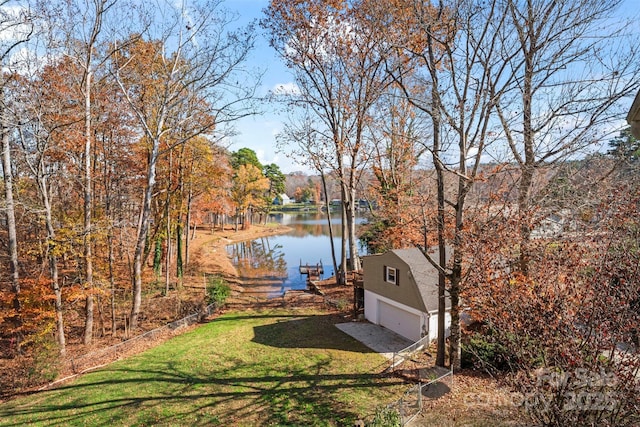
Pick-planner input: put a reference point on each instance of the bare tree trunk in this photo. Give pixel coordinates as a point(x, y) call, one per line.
point(345, 233)
point(179, 218)
point(88, 199)
point(11, 221)
point(87, 65)
point(333, 245)
point(528, 168)
point(100, 316)
point(187, 235)
point(107, 182)
point(524, 187)
point(167, 264)
point(455, 340)
point(112, 282)
point(179, 270)
point(351, 226)
point(442, 244)
point(138, 256)
point(167, 213)
point(53, 262)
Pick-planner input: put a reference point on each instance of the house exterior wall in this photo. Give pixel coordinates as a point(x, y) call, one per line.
point(405, 292)
point(433, 325)
point(633, 118)
point(282, 199)
point(402, 305)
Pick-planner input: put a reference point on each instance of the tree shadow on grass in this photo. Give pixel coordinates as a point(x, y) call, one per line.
point(307, 332)
point(300, 397)
point(259, 387)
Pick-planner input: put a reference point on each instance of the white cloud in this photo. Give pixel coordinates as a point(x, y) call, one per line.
point(15, 23)
point(471, 154)
point(289, 88)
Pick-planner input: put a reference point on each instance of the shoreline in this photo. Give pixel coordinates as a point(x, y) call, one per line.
point(213, 259)
point(209, 248)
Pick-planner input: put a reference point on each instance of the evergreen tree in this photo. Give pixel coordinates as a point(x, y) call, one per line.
point(276, 179)
point(625, 146)
point(244, 157)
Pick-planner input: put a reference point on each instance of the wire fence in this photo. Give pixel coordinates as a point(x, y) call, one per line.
point(88, 361)
point(433, 383)
point(400, 356)
point(411, 404)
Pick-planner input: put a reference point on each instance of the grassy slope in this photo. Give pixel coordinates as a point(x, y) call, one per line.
point(249, 368)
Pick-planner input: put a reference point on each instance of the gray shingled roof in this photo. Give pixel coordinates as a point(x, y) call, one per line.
point(424, 274)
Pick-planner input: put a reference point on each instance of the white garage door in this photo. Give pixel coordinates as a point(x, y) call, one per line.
point(399, 321)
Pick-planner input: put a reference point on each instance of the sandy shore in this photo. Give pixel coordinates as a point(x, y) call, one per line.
point(208, 248)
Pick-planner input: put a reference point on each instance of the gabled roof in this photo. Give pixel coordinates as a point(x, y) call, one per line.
point(424, 275)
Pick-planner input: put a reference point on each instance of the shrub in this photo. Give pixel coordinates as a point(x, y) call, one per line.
point(343, 304)
point(40, 363)
point(217, 291)
point(481, 351)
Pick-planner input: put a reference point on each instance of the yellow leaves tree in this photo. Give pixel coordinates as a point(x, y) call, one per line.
point(206, 180)
point(400, 191)
point(249, 185)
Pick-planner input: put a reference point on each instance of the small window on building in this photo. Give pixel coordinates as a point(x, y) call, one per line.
point(390, 275)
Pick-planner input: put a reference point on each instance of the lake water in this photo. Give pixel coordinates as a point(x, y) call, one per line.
point(270, 265)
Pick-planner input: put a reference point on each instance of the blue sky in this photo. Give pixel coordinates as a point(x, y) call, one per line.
point(258, 132)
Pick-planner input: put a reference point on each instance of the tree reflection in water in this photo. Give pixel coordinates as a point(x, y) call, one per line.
point(261, 267)
point(257, 259)
point(268, 266)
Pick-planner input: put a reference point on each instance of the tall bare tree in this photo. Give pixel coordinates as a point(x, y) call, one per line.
point(75, 28)
point(397, 135)
point(340, 66)
point(96, 13)
point(16, 28)
point(570, 63)
point(38, 101)
point(459, 56)
point(182, 78)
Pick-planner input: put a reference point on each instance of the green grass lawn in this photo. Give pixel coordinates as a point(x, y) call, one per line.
point(244, 368)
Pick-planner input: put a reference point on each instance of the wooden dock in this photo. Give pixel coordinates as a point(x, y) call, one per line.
point(313, 272)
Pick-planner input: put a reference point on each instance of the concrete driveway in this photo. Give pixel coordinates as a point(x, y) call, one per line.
point(377, 338)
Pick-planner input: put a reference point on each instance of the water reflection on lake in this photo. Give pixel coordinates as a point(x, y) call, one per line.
point(269, 266)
